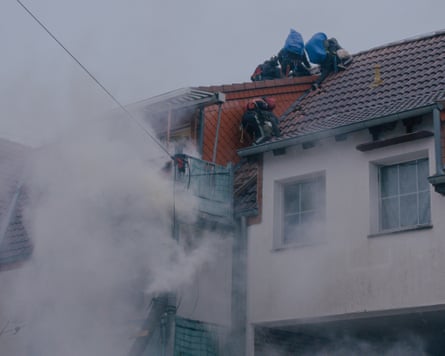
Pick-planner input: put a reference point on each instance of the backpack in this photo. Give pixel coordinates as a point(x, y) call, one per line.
point(294, 42)
point(258, 120)
point(271, 103)
point(257, 74)
point(293, 64)
point(316, 48)
point(268, 70)
point(250, 124)
point(265, 103)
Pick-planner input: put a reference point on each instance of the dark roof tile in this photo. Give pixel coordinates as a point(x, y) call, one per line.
point(15, 245)
point(412, 73)
point(245, 188)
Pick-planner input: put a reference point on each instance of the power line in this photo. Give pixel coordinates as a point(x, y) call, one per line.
point(123, 108)
point(110, 95)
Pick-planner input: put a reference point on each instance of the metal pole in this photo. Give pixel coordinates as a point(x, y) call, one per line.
point(215, 146)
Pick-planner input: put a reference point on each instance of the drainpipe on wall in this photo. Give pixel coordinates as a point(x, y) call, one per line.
point(169, 125)
point(239, 290)
point(201, 131)
point(215, 145)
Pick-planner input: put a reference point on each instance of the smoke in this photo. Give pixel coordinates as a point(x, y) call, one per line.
point(100, 217)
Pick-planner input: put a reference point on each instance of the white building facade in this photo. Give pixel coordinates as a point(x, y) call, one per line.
point(366, 237)
point(348, 255)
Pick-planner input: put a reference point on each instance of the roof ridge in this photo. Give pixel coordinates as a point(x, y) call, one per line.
point(262, 84)
point(405, 40)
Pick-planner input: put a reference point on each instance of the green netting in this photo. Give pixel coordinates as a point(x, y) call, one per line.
point(195, 338)
point(212, 184)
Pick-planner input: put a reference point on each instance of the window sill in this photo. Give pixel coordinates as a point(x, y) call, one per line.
point(294, 245)
point(401, 230)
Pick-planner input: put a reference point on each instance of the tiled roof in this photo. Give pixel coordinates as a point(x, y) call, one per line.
point(15, 245)
point(285, 91)
point(412, 74)
point(246, 188)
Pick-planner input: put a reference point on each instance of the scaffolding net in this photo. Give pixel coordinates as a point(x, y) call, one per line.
point(212, 184)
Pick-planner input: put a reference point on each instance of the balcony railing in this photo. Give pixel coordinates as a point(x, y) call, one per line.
point(212, 184)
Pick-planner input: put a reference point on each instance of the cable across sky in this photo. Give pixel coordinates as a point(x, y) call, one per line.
point(122, 107)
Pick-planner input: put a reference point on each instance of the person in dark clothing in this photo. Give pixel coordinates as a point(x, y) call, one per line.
point(265, 106)
point(293, 64)
point(336, 59)
point(259, 121)
point(269, 69)
point(252, 126)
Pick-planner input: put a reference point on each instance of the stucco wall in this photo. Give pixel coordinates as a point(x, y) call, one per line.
point(349, 272)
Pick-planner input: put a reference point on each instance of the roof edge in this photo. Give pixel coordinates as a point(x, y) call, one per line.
point(352, 316)
point(403, 41)
point(262, 84)
point(266, 147)
point(186, 96)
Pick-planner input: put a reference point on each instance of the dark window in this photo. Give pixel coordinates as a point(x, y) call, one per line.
point(304, 210)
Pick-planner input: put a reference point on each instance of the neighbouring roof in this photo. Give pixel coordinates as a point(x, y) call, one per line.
point(15, 245)
point(245, 188)
point(412, 74)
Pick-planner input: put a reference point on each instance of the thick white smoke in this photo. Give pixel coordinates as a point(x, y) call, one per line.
point(100, 216)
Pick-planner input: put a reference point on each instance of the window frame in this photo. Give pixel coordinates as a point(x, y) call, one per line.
point(377, 228)
point(280, 186)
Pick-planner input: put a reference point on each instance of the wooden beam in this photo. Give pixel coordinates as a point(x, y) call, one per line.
point(393, 140)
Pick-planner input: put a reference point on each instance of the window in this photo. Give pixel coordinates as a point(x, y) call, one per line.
point(404, 196)
point(302, 206)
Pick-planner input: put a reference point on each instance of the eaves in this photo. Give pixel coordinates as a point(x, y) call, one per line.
point(340, 130)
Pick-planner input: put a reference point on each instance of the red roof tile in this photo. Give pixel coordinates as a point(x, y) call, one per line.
point(285, 91)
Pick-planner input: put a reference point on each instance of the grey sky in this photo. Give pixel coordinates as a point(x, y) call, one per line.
point(142, 48)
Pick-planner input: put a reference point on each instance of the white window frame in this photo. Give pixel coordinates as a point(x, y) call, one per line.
point(376, 199)
point(280, 187)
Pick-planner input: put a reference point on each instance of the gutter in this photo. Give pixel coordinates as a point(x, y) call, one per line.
point(437, 143)
point(265, 147)
point(237, 341)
